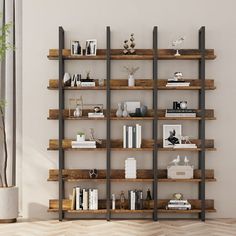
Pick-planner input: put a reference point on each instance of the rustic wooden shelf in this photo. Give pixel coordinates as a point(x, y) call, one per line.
point(140, 84)
point(54, 115)
point(141, 54)
point(117, 175)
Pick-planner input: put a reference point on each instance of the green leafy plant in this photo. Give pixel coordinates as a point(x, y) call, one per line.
point(80, 134)
point(4, 46)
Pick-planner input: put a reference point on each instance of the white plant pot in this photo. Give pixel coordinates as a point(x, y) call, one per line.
point(8, 204)
point(80, 138)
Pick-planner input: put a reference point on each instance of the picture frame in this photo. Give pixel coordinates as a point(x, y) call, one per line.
point(171, 135)
point(91, 47)
point(76, 48)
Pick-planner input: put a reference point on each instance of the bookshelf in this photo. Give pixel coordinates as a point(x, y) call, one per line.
point(108, 176)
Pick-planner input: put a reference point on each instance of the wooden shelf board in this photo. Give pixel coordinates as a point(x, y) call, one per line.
point(101, 211)
point(185, 180)
point(185, 211)
point(125, 211)
point(103, 180)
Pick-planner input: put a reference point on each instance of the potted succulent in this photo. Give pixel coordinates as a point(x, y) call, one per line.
point(80, 137)
point(131, 71)
point(8, 193)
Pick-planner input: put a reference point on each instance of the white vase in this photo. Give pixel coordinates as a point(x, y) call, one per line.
point(80, 138)
point(8, 204)
point(119, 111)
point(125, 112)
point(131, 81)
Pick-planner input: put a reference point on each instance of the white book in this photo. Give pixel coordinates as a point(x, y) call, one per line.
point(77, 198)
point(90, 199)
point(73, 200)
point(124, 136)
point(84, 142)
point(88, 84)
point(132, 200)
point(180, 114)
point(130, 137)
point(187, 145)
point(95, 199)
point(140, 136)
point(85, 199)
point(137, 135)
point(177, 84)
point(75, 146)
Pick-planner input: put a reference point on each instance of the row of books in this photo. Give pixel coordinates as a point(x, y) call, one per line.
point(135, 199)
point(84, 199)
point(132, 136)
point(180, 113)
point(84, 144)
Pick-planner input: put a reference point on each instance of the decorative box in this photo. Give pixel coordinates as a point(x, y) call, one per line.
point(180, 172)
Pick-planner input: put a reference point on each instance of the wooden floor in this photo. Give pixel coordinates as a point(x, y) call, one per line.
point(221, 227)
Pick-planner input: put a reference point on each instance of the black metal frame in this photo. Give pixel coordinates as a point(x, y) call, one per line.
point(61, 123)
point(201, 132)
point(108, 140)
point(155, 122)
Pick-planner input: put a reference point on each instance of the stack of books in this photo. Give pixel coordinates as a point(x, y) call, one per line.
point(95, 115)
point(179, 205)
point(185, 145)
point(132, 136)
point(84, 199)
point(84, 144)
point(135, 199)
point(177, 83)
point(130, 168)
point(87, 84)
point(180, 113)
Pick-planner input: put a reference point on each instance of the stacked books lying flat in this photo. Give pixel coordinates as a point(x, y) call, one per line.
point(84, 199)
point(179, 205)
point(87, 84)
point(177, 83)
point(95, 115)
point(185, 145)
point(130, 168)
point(180, 113)
point(135, 199)
point(84, 144)
point(132, 136)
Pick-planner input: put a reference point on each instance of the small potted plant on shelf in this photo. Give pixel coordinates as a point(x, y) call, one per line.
point(131, 71)
point(8, 193)
point(80, 137)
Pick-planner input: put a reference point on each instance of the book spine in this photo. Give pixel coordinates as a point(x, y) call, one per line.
point(127, 136)
point(77, 198)
point(134, 137)
point(73, 199)
point(95, 199)
point(124, 136)
point(137, 135)
point(130, 139)
point(140, 136)
point(90, 199)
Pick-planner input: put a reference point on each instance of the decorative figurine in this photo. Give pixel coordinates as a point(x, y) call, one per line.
point(93, 173)
point(148, 199)
point(122, 200)
point(131, 71)
point(125, 112)
point(176, 44)
point(119, 112)
point(176, 161)
point(186, 161)
point(185, 139)
point(179, 105)
point(143, 110)
point(178, 76)
point(92, 137)
point(178, 196)
point(129, 49)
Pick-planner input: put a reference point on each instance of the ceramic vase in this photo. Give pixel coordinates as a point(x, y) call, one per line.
point(125, 112)
point(119, 111)
point(131, 82)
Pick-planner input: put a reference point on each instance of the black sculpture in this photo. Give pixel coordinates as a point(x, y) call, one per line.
point(172, 139)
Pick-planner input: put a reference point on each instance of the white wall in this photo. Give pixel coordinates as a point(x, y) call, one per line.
point(87, 19)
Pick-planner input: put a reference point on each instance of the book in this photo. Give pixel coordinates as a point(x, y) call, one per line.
point(87, 84)
point(185, 145)
point(186, 84)
point(85, 199)
point(73, 199)
point(130, 137)
point(124, 136)
point(180, 111)
point(95, 115)
point(77, 198)
point(180, 115)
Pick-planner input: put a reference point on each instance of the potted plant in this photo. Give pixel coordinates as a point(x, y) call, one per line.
point(80, 137)
point(131, 71)
point(8, 193)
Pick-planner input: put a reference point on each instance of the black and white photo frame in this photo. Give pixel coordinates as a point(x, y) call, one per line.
point(91, 47)
point(76, 48)
point(171, 135)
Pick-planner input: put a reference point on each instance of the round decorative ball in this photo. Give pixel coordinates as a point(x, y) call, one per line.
point(93, 173)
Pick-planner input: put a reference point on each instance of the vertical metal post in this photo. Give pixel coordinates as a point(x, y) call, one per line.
point(201, 133)
point(155, 122)
point(108, 141)
point(61, 122)
point(14, 102)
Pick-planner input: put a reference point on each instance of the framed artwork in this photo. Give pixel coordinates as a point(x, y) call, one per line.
point(76, 49)
point(171, 135)
point(91, 47)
